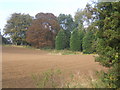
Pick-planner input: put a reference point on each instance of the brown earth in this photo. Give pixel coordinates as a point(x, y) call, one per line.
point(18, 65)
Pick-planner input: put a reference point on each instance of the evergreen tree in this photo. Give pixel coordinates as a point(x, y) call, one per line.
point(108, 43)
point(66, 23)
point(67, 39)
point(87, 42)
point(60, 40)
point(81, 35)
point(75, 41)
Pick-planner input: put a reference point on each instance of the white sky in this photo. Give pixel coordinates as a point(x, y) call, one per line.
point(32, 7)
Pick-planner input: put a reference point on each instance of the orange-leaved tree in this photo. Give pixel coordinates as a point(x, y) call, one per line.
point(43, 30)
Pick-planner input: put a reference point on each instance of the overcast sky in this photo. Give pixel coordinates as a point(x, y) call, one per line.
point(32, 7)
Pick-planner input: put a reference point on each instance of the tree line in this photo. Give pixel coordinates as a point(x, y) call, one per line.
point(47, 30)
point(96, 28)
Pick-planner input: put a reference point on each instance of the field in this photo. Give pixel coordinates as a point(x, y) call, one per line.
point(20, 63)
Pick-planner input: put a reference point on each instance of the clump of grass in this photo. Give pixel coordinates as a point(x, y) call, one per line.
point(54, 79)
point(84, 81)
point(50, 78)
point(64, 52)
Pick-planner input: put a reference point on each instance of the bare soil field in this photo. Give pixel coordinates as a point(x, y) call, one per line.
point(18, 64)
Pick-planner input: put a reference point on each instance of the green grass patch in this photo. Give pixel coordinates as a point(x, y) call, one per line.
point(64, 52)
point(21, 46)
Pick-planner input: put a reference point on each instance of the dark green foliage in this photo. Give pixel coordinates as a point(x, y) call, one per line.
point(111, 78)
point(81, 36)
point(60, 40)
point(75, 41)
point(94, 31)
point(108, 42)
point(88, 42)
point(81, 33)
point(67, 39)
point(16, 27)
point(66, 22)
point(109, 33)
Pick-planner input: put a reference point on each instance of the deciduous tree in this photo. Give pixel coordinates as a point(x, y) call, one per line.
point(43, 30)
point(16, 27)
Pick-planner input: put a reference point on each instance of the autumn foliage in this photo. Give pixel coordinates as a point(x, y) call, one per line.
point(43, 30)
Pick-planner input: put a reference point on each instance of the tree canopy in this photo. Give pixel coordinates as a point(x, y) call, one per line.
point(16, 27)
point(67, 23)
point(108, 15)
point(43, 30)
